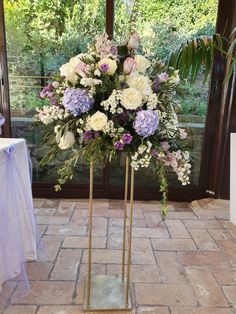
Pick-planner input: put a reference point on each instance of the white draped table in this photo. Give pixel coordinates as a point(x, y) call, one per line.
point(17, 221)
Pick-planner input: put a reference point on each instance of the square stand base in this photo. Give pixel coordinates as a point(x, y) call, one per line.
point(107, 294)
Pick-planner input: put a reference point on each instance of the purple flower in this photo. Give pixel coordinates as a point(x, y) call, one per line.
point(145, 123)
point(126, 138)
point(163, 77)
point(53, 101)
point(88, 135)
point(165, 146)
point(155, 84)
point(46, 91)
point(77, 101)
point(104, 67)
point(119, 145)
point(114, 51)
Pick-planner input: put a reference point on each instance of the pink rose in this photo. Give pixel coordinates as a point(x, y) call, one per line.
point(183, 134)
point(129, 65)
point(134, 40)
point(81, 69)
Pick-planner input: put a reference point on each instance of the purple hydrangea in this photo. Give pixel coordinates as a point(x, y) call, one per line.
point(145, 123)
point(77, 101)
point(126, 138)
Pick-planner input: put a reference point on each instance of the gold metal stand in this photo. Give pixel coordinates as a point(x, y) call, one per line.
point(110, 292)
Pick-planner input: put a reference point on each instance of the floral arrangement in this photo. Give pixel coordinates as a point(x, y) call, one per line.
point(111, 100)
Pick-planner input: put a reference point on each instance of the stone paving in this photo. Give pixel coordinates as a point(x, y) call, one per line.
point(185, 265)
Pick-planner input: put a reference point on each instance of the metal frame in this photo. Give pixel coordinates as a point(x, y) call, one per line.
point(109, 292)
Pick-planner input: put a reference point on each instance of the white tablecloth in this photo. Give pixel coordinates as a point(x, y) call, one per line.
point(16, 209)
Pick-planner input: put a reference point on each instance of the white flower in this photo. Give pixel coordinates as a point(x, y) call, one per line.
point(97, 73)
point(68, 71)
point(131, 98)
point(112, 66)
point(175, 77)
point(57, 128)
point(67, 140)
point(142, 149)
point(90, 82)
point(142, 63)
point(141, 83)
point(55, 84)
point(98, 121)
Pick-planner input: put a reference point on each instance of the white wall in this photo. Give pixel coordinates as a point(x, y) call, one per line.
point(233, 179)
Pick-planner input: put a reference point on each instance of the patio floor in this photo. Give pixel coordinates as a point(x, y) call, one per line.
point(185, 265)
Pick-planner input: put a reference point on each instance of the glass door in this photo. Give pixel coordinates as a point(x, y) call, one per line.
point(163, 26)
point(40, 37)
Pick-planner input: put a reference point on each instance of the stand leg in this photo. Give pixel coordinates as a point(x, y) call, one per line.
point(130, 233)
point(125, 214)
point(90, 231)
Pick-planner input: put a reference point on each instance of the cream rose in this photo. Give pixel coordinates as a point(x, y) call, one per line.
point(98, 121)
point(131, 98)
point(107, 65)
point(142, 63)
point(141, 83)
point(67, 140)
point(68, 71)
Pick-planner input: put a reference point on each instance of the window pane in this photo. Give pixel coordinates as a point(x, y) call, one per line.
point(41, 36)
point(163, 26)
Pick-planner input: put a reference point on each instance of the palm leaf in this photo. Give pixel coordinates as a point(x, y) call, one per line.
point(197, 55)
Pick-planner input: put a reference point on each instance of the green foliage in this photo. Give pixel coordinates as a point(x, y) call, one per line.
point(57, 30)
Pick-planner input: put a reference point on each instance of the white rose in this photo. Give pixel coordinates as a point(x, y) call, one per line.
point(112, 66)
point(68, 71)
point(131, 98)
point(67, 140)
point(98, 121)
point(141, 83)
point(75, 60)
point(142, 63)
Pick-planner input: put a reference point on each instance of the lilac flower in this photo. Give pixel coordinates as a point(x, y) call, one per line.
point(163, 77)
point(145, 123)
point(119, 145)
point(114, 51)
point(77, 101)
point(46, 91)
point(156, 84)
point(104, 67)
point(126, 138)
point(53, 101)
point(165, 146)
